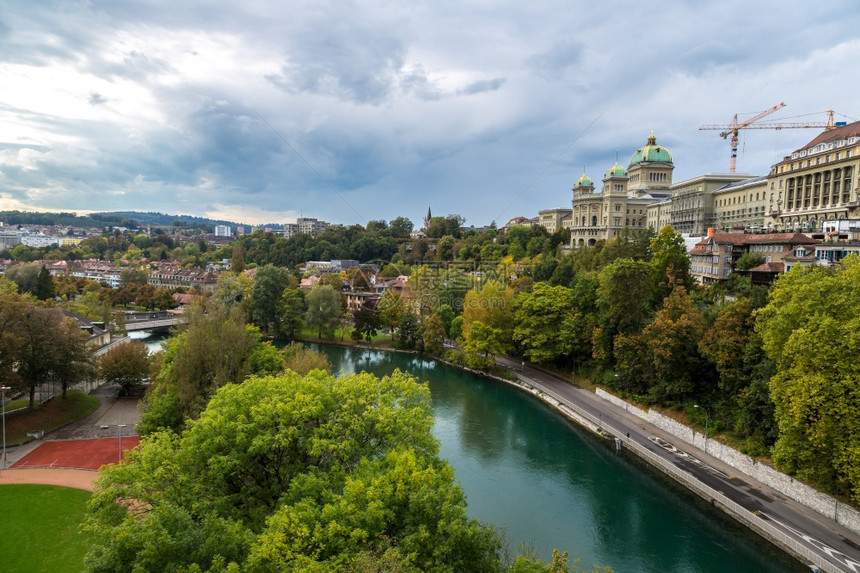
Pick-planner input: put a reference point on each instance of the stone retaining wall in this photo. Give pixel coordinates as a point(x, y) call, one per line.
point(800, 492)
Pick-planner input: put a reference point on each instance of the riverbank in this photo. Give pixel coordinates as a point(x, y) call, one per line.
point(793, 528)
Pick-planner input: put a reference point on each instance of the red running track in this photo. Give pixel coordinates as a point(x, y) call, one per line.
point(82, 454)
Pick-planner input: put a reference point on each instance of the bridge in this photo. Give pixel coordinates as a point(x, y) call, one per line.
point(161, 324)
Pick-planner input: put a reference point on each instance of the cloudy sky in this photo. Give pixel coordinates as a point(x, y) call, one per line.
point(261, 111)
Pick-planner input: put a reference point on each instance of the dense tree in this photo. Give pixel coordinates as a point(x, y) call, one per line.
point(324, 309)
point(237, 261)
point(366, 323)
point(127, 364)
point(433, 334)
point(272, 481)
point(292, 309)
point(409, 330)
point(44, 285)
point(302, 360)
point(673, 337)
point(748, 261)
point(269, 285)
point(400, 227)
point(480, 344)
point(544, 321)
point(811, 329)
point(40, 345)
point(624, 293)
point(670, 264)
point(25, 276)
point(212, 351)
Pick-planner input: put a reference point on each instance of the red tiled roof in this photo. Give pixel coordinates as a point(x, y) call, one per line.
point(768, 268)
point(844, 132)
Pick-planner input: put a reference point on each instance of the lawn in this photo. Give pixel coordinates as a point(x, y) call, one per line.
point(39, 529)
point(50, 416)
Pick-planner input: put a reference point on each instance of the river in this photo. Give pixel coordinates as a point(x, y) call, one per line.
point(550, 484)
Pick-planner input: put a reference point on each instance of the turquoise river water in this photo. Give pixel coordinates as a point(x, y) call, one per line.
point(550, 484)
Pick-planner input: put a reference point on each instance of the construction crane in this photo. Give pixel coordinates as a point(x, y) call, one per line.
point(734, 127)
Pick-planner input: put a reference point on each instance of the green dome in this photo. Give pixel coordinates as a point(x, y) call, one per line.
point(651, 153)
point(584, 181)
point(615, 171)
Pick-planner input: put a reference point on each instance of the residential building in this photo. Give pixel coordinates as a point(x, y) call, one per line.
point(714, 258)
point(816, 183)
point(99, 271)
point(223, 231)
point(170, 274)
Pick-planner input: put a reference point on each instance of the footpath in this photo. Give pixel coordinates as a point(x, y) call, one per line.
point(815, 540)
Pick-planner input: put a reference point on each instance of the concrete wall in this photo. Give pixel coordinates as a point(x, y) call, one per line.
point(786, 485)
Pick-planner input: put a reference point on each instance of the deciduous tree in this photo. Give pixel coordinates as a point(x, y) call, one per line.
point(291, 473)
point(127, 364)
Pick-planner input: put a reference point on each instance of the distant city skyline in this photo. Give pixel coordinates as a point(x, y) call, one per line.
point(259, 113)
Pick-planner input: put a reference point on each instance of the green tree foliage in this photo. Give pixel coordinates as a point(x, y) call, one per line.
point(544, 321)
point(44, 285)
point(291, 473)
point(735, 349)
point(26, 277)
point(669, 263)
point(214, 350)
point(127, 365)
point(480, 344)
point(433, 334)
point(302, 360)
point(292, 309)
point(237, 261)
point(673, 337)
point(749, 260)
point(409, 331)
point(400, 227)
point(324, 309)
point(40, 345)
point(624, 294)
point(266, 295)
point(811, 329)
point(366, 323)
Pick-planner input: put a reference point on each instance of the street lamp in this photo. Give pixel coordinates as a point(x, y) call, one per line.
point(3, 390)
point(119, 428)
point(706, 425)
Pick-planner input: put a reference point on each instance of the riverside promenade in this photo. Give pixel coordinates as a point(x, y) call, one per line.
point(815, 540)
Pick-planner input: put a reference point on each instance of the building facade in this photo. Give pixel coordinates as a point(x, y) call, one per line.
point(625, 197)
point(554, 219)
point(740, 205)
point(692, 209)
point(816, 183)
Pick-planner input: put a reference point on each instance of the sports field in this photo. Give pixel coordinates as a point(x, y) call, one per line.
point(81, 454)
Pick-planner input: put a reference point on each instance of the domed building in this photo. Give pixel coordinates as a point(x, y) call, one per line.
point(622, 203)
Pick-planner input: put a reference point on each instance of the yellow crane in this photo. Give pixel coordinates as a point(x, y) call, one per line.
point(734, 127)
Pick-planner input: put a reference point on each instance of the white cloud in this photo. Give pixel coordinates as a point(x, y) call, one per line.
point(167, 106)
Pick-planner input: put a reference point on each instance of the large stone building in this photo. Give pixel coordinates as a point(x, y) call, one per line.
point(623, 201)
point(740, 205)
point(816, 183)
point(693, 202)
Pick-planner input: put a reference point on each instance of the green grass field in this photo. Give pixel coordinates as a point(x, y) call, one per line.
point(39, 528)
point(50, 416)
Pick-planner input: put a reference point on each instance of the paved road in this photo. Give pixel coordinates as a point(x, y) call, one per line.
point(836, 544)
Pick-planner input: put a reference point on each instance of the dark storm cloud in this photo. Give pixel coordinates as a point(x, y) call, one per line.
point(159, 104)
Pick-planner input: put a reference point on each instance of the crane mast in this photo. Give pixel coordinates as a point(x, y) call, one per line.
point(734, 127)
